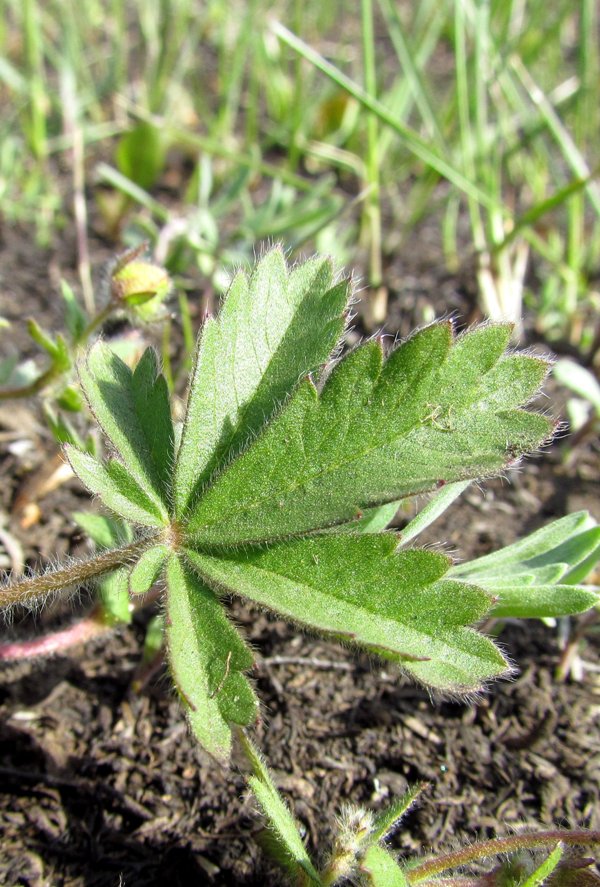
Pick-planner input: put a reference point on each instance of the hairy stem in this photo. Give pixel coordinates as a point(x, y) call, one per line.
point(486, 849)
point(31, 587)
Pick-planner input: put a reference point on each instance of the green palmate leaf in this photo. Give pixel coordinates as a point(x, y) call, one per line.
point(147, 569)
point(206, 657)
point(361, 590)
point(133, 411)
point(538, 576)
point(382, 869)
point(117, 489)
point(273, 329)
point(432, 413)
point(287, 841)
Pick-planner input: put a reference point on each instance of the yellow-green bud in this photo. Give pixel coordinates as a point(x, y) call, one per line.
point(137, 282)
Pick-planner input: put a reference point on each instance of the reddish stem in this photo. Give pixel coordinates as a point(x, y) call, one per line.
point(56, 641)
point(486, 849)
point(79, 633)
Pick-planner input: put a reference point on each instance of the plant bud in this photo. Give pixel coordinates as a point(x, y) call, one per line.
point(140, 285)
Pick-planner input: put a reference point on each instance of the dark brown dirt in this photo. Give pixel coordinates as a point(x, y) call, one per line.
point(103, 786)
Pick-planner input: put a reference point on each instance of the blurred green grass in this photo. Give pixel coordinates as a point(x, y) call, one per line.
point(210, 127)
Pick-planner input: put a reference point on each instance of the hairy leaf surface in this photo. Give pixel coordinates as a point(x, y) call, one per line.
point(388, 819)
point(117, 488)
point(280, 483)
point(147, 569)
point(273, 329)
point(361, 590)
point(133, 410)
point(206, 657)
point(432, 413)
point(381, 868)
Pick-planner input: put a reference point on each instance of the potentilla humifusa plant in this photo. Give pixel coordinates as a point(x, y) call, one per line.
point(278, 485)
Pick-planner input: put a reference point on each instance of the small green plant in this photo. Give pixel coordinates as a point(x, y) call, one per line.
point(359, 854)
point(276, 487)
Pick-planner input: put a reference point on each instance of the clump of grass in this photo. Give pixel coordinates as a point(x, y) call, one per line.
point(477, 112)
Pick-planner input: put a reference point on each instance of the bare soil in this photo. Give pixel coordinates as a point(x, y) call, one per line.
point(102, 785)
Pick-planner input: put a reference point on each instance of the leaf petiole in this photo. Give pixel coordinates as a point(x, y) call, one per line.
point(31, 587)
